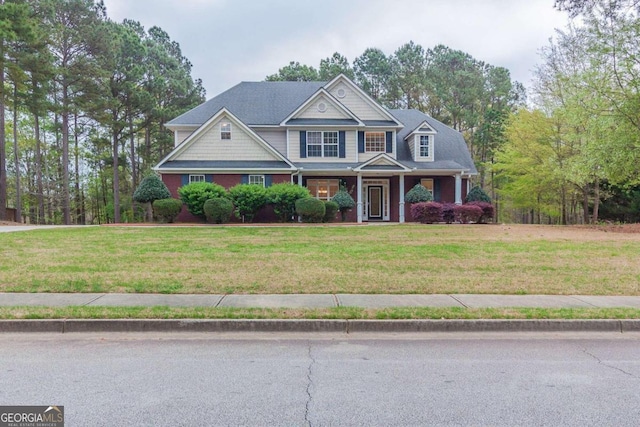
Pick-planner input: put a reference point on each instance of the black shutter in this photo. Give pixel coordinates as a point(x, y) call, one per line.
point(244, 179)
point(303, 144)
point(268, 180)
point(436, 190)
point(360, 141)
point(185, 179)
point(389, 142)
point(342, 148)
point(208, 178)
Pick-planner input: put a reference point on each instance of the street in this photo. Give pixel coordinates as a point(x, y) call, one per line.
point(507, 379)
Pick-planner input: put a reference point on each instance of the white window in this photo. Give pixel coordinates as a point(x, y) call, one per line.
point(256, 180)
point(225, 130)
point(322, 144)
point(425, 146)
point(374, 142)
point(196, 178)
point(323, 189)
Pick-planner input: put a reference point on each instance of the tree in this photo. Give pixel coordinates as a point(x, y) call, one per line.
point(151, 188)
point(407, 81)
point(345, 203)
point(334, 66)
point(294, 72)
point(372, 72)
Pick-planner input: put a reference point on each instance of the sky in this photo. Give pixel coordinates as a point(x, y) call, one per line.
point(229, 41)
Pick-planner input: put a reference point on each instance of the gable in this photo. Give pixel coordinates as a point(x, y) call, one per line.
point(321, 107)
point(357, 101)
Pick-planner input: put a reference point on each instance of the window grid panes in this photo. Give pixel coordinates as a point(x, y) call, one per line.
point(323, 189)
point(314, 144)
point(225, 130)
point(330, 144)
point(196, 178)
point(424, 146)
point(322, 144)
point(256, 180)
point(374, 142)
point(427, 183)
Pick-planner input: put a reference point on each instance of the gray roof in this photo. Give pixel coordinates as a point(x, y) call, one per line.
point(254, 103)
point(449, 144)
point(225, 164)
point(322, 122)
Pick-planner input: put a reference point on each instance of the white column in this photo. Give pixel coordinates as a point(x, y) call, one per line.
point(401, 207)
point(458, 189)
point(359, 201)
point(300, 179)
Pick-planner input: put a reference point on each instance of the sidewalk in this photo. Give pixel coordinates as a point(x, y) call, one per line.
point(319, 300)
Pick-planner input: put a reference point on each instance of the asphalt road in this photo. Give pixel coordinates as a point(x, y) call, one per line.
point(320, 380)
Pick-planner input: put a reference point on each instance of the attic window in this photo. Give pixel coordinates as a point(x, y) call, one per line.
point(225, 130)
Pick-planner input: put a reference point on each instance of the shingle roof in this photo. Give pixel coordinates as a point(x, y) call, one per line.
point(255, 103)
point(225, 164)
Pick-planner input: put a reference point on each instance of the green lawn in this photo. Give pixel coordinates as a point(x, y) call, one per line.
point(359, 259)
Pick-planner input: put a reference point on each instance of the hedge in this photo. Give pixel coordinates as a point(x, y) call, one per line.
point(218, 210)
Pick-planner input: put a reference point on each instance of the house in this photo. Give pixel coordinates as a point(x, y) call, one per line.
point(321, 135)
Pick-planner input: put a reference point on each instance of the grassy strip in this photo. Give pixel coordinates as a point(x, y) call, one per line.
point(394, 259)
point(162, 312)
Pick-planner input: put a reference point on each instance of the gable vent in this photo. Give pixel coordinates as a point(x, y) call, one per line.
point(322, 107)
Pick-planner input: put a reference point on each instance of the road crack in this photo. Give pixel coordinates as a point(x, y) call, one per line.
point(309, 385)
point(585, 351)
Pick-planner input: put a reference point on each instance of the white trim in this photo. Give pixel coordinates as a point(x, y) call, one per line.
point(359, 201)
point(418, 131)
point(321, 92)
point(386, 157)
point(401, 218)
point(385, 197)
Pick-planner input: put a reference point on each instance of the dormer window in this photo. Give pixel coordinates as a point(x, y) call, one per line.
point(425, 146)
point(225, 130)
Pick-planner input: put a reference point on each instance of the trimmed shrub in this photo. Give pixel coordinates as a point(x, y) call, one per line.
point(331, 209)
point(477, 194)
point(283, 198)
point(448, 212)
point(194, 195)
point(167, 210)
point(248, 199)
point(467, 213)
point(418, 194)
point(427, 212)
point(218, 210)
point(488, 211)
point(310, 209)
point(345, 203)
point(150, 189)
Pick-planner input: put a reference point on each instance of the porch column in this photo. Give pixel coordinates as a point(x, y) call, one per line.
point(401, 207)
point(300, 179)
point(458, 189)
point(359, 201)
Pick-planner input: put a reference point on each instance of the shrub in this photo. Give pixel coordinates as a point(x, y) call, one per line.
point(345, 203)
point(283, 198)
point(427, 213)
point(477, 194)
point(488, 211)
point(167, 210)
point(467, 213)
point(248, 199)
point(194, 195)
point(218, 210)
point(331, 209)
point(310, 209)
point(418, 194)
point(448, 212)
point(151, 188)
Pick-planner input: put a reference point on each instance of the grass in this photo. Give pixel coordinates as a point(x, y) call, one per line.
point(391, 259)
point(163, 312)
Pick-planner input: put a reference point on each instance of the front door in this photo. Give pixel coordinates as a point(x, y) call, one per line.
point(375, 202)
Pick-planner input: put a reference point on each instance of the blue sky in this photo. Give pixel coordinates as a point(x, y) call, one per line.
point(229, 41)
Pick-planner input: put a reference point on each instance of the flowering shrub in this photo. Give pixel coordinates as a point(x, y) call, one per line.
point(467, 213)
point(427, 212)
point(448, 212)
point(488, 211)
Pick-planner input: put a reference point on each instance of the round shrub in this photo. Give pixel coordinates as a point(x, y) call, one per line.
point(427, 213)
point(448, 212)
point(167, 210)
point(310, 209)
point(248, 199)
point(218, 210)
point(283, 198)
point(194, 195)
point(418, 194)
point(488, 211)
point(477, 194)
point(467, 213)
point(331, 209)
point(345, 203)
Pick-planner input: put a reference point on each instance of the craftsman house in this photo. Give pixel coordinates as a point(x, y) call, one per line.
point(321, 135)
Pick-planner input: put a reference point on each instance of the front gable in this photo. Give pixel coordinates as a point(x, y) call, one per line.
point(382, 162)
point(322, 109)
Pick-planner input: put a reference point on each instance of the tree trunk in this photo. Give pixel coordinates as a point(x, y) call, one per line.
point(66, 198)
point(585, 205)
point(3, 152)
point(40, 189)
point(16, 157)
point(116, 173)
point(78, 198)
point(596, 201)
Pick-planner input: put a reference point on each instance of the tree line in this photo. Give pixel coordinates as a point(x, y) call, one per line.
point(83, 104)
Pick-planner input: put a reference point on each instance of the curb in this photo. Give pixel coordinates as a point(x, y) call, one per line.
point(335, 326)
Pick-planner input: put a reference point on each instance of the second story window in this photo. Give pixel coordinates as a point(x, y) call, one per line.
point(374, 142)
point(322, 144)
point(425, 146)
point(225, 130)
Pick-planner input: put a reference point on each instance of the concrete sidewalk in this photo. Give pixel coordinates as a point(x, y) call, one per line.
point(318, 300)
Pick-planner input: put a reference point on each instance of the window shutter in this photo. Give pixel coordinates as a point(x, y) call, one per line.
point(360, 141)
point(389, 142)
point(303, 144)
point(268, 180)
point(185, 179)
point(244, 179)
point(208, 178)
point(436, 190)
point(342, 149)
